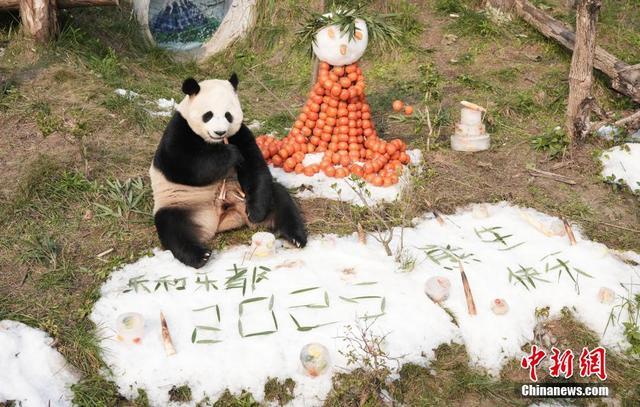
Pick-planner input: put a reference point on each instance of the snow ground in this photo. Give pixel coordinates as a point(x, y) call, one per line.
point(355, 280)
point(320, 186)
point(160, 107)
point(32, 373)
point(621, 164)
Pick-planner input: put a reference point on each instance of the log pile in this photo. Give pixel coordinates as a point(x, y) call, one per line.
point(625, 78)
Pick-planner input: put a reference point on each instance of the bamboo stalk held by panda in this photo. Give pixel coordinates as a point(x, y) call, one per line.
point(471, 305)
point(223, 190)
point(169, 349)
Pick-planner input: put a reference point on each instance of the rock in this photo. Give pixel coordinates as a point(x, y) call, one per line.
point(606, 295)
point(437, 288)
point(499, 306)
point(480, 211)
point(314, 358)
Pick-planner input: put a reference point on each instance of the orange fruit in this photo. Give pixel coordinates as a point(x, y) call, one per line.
point(291, 162)
point(408, 110)
point(397, 105)
point(330, 171)
point(338, 70)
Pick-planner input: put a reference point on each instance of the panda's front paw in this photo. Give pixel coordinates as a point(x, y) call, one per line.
point(196, 256)
point(295, 233)
point(257, 210)
point(204, 258)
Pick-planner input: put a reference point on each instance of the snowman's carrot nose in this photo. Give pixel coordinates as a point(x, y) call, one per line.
point(343, 49)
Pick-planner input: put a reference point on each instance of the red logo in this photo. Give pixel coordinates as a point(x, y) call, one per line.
point(532, 361)
point(594, 362)
point(591, 363)
point(561, 363)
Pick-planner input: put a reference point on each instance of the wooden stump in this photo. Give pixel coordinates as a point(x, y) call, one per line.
point(39, 19)
point(580, 102)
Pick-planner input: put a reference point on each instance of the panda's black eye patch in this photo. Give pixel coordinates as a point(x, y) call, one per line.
point(207, 116)
point(229, 117)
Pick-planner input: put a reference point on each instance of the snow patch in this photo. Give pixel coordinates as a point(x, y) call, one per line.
point(621, 164)
point(129, 94)
point(353, 281)
point(321, 186)
point(161, 107)
point(32, 373)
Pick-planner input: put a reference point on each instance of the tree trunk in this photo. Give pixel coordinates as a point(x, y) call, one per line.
point(39, 19)
point(623, 79)
point(235, 24)
point(15, 4)
point(581, 73)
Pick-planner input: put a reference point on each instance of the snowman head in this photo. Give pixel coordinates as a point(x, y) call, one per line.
point(334, 46)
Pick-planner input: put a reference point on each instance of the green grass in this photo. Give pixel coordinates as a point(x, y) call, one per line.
point(450, 380)
point(180, 394)
point(280, 392)
point(142, 400)
point(95, 391)
point(554, 142)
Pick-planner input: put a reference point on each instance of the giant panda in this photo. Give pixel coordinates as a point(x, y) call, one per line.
point(208, 175)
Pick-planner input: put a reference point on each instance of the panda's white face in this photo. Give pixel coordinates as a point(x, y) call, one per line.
point(212, 108)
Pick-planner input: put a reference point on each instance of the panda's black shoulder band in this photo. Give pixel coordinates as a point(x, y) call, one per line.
point(190, 87)
point(234, 81)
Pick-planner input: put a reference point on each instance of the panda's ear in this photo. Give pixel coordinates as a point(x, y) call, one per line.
point(190, 87)
point(234, 81)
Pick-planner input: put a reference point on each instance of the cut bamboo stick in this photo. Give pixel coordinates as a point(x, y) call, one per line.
point(567, 227)
point(534, 172)
point(436, 213)
point(471, 305)
point(169, 349)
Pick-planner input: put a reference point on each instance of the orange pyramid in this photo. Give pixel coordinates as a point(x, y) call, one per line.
point(336, 120)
